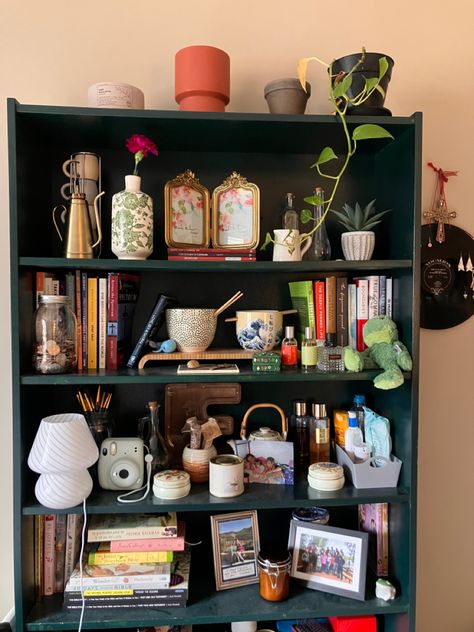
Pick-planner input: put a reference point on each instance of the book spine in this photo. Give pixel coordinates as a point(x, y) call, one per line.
point(373, 296)
point(213, 252)
point(70, 290)
point(56, 290)
point(59, 550)
point(112, 324)
point(384, 534)
point(302, 299)
point(49, 554)
point(104, 535)
point(48, 283)
point(331, 310)
point(147, 544)
point(98, 558)
point(77, 276)
point(84, 319)
point(352, 315)
point(211, 258)
point(320, 309)
point(73, 543)
point(92, 323)
point(155, 320)
point(362, 311)
point(382, 295)
point(39, 286)
point(178, 601)
point(389, 302)
point(118, 582)
point(39, 556)
point(102, 343)
point(341, 311)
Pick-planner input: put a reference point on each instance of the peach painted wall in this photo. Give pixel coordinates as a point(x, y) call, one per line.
point(51, 51)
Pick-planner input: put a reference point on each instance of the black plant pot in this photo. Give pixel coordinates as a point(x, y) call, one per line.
point(368, 69)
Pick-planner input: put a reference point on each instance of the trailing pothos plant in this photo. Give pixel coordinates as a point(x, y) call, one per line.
point(339, 86)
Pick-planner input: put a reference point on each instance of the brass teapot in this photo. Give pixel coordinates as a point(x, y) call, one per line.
point(78, 241)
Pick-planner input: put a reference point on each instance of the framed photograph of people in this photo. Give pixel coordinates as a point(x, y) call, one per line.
point(236, 213)
point(328, 558)
point(235, 543)
point(187, 212)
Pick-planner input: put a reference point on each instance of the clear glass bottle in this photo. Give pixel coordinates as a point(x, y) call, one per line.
point(55, 335)
point(358, 408)
point(299, 426)
point(320, 249)
point(319, 435)
point(290, 215)
point(331, 359)
point(289, 348)
point(156, 443)
point(309, 352)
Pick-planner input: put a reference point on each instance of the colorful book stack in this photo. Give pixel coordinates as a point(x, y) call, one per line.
point(337, 308)
point(104, 308)
point(136, 560)
point(212, 254)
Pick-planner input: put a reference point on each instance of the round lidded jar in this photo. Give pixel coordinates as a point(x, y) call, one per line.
point(326, 476)
point(171, 484)
point(55, 335)
point(317, 515)
point(274, 572)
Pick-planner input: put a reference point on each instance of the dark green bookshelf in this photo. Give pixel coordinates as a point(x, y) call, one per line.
point(275, 152)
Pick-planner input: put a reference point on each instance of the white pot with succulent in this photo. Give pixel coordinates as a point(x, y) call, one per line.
point(359, 241)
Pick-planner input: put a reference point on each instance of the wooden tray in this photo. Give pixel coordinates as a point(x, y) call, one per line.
point(209, 354)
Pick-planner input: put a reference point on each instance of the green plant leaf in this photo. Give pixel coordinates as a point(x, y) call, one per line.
point(347, 225)
point(357, 216)
point(342, 87)
point(383, 67)
point(368, 210)
point(381, 90)
point(371, 225)
point(268, 240)
point(377, 216)
point(371, 83)
point(315, 199)
point(368, 131)
point(305, 215)
point(326, 155)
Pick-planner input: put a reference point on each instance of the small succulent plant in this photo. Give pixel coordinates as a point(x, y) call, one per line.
point(357, 219)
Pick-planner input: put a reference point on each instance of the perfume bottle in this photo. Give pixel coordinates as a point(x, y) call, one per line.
point(319, 435)
point(289, 348)
point(331, 359)
point(299, 426)
point(290, 215)
point(320, 249)
point(309, 352)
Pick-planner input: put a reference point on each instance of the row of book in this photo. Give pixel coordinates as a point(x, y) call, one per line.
point(57, 543)
point(212, 254)
point(136, 560)
point(337, 309)
point(373, 518)
point(104, 308)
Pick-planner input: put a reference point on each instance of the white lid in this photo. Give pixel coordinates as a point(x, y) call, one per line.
point(325, 470)
point(171, 479)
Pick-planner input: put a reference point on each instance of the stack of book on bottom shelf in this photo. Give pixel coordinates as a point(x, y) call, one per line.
point(132, 561)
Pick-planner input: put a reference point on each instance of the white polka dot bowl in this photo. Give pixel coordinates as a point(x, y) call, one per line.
point(193, 329)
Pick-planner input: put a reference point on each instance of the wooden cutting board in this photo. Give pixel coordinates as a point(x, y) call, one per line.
point(192, 400)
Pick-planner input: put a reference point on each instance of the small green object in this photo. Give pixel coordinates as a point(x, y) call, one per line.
point(266, 361)
point(356, 219)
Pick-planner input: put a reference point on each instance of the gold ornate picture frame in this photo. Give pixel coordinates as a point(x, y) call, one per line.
point(187, 212)
point(236, 213)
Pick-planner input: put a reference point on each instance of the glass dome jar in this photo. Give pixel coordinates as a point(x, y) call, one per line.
point(54, 335)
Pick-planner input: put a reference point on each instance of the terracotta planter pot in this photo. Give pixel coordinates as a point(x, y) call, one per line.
point(286, 96)
point(202, 79)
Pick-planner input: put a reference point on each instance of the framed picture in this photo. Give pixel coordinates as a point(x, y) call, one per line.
point(329, 559)
point(236, 213)
point(187, 212)
point(267, 461)
point(235, 545)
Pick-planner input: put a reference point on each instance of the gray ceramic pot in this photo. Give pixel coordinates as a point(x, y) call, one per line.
point(286, 96)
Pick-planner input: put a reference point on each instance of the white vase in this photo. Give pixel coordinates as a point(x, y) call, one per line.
point(132, 221)
point(358, 245)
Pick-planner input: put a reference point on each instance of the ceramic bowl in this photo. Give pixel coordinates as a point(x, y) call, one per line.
point(196, 463)
point(259, 330)
point(193, 329)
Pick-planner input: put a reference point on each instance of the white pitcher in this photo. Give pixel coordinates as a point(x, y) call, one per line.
point(287, 245)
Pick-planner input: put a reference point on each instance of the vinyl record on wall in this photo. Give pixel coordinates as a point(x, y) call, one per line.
point(447, 292)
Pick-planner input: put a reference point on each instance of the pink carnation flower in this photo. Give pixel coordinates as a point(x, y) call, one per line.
point(141, 146)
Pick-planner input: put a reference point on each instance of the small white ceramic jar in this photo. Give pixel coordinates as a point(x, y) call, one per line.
point(171, 484)
point(226, 476)
point(326, 477)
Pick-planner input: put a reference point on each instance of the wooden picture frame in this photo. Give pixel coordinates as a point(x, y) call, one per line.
point(329, 559)
point(235, 558)
point(187, 212)
point(236, 213)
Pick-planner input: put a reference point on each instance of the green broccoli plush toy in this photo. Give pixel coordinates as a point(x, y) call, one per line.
point(384, 350)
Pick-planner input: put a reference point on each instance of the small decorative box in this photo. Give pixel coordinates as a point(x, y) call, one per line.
point(326, 477)
point(171, 484)
point(266, 361)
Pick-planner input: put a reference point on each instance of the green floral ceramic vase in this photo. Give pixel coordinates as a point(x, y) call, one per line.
point(132, 221)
